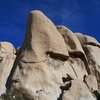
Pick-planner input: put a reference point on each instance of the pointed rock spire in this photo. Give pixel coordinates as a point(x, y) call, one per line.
point(42, 37)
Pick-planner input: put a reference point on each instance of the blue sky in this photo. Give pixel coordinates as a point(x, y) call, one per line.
point(78, 15)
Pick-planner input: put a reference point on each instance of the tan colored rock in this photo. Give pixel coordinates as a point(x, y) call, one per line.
point(91, 82)
point(85, 39)
point(71, 40)
point(45, 69)
point(7, 58)
point(73, 44)
point(77, 91)
point(93, 56)
point(7, 47)
point(41, 38)
point(37, 77)
point(44, 79)
point(78, 67)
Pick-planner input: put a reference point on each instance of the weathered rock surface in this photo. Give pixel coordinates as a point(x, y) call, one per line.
point(7, 58)
point(93, 56)
point(77, 91)
point(41, 37)
point(53, 63)
point(91, 82)
point(71, 40)
point(85, 39)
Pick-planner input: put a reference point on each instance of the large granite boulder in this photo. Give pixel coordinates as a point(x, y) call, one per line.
point(71, 40)
point(77, 91)
point(53, 63)
point(85, 39)
point(93, 56)
point(42, 38)
point(44, 70)
point(7, 58)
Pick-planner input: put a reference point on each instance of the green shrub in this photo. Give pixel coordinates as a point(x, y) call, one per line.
point(97, 94)
point(11, 95)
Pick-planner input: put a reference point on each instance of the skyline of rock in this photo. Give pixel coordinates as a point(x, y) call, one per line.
point(53, 63)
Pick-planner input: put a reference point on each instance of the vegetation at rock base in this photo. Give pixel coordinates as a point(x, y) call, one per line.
point(12, 95)
point(97, 94)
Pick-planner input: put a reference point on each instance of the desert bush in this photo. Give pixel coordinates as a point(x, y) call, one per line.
point(12, 95)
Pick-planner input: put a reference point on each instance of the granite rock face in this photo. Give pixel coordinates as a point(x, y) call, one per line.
point(53, 63)
point(41, 37)
point(7, 58)
point(71, 40)
point(85, 39)
point(93, 57)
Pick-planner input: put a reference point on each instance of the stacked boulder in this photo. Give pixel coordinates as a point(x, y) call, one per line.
point(54, 63)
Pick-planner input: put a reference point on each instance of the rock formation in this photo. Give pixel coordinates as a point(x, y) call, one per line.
point(7, 58)
point(53, 63)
